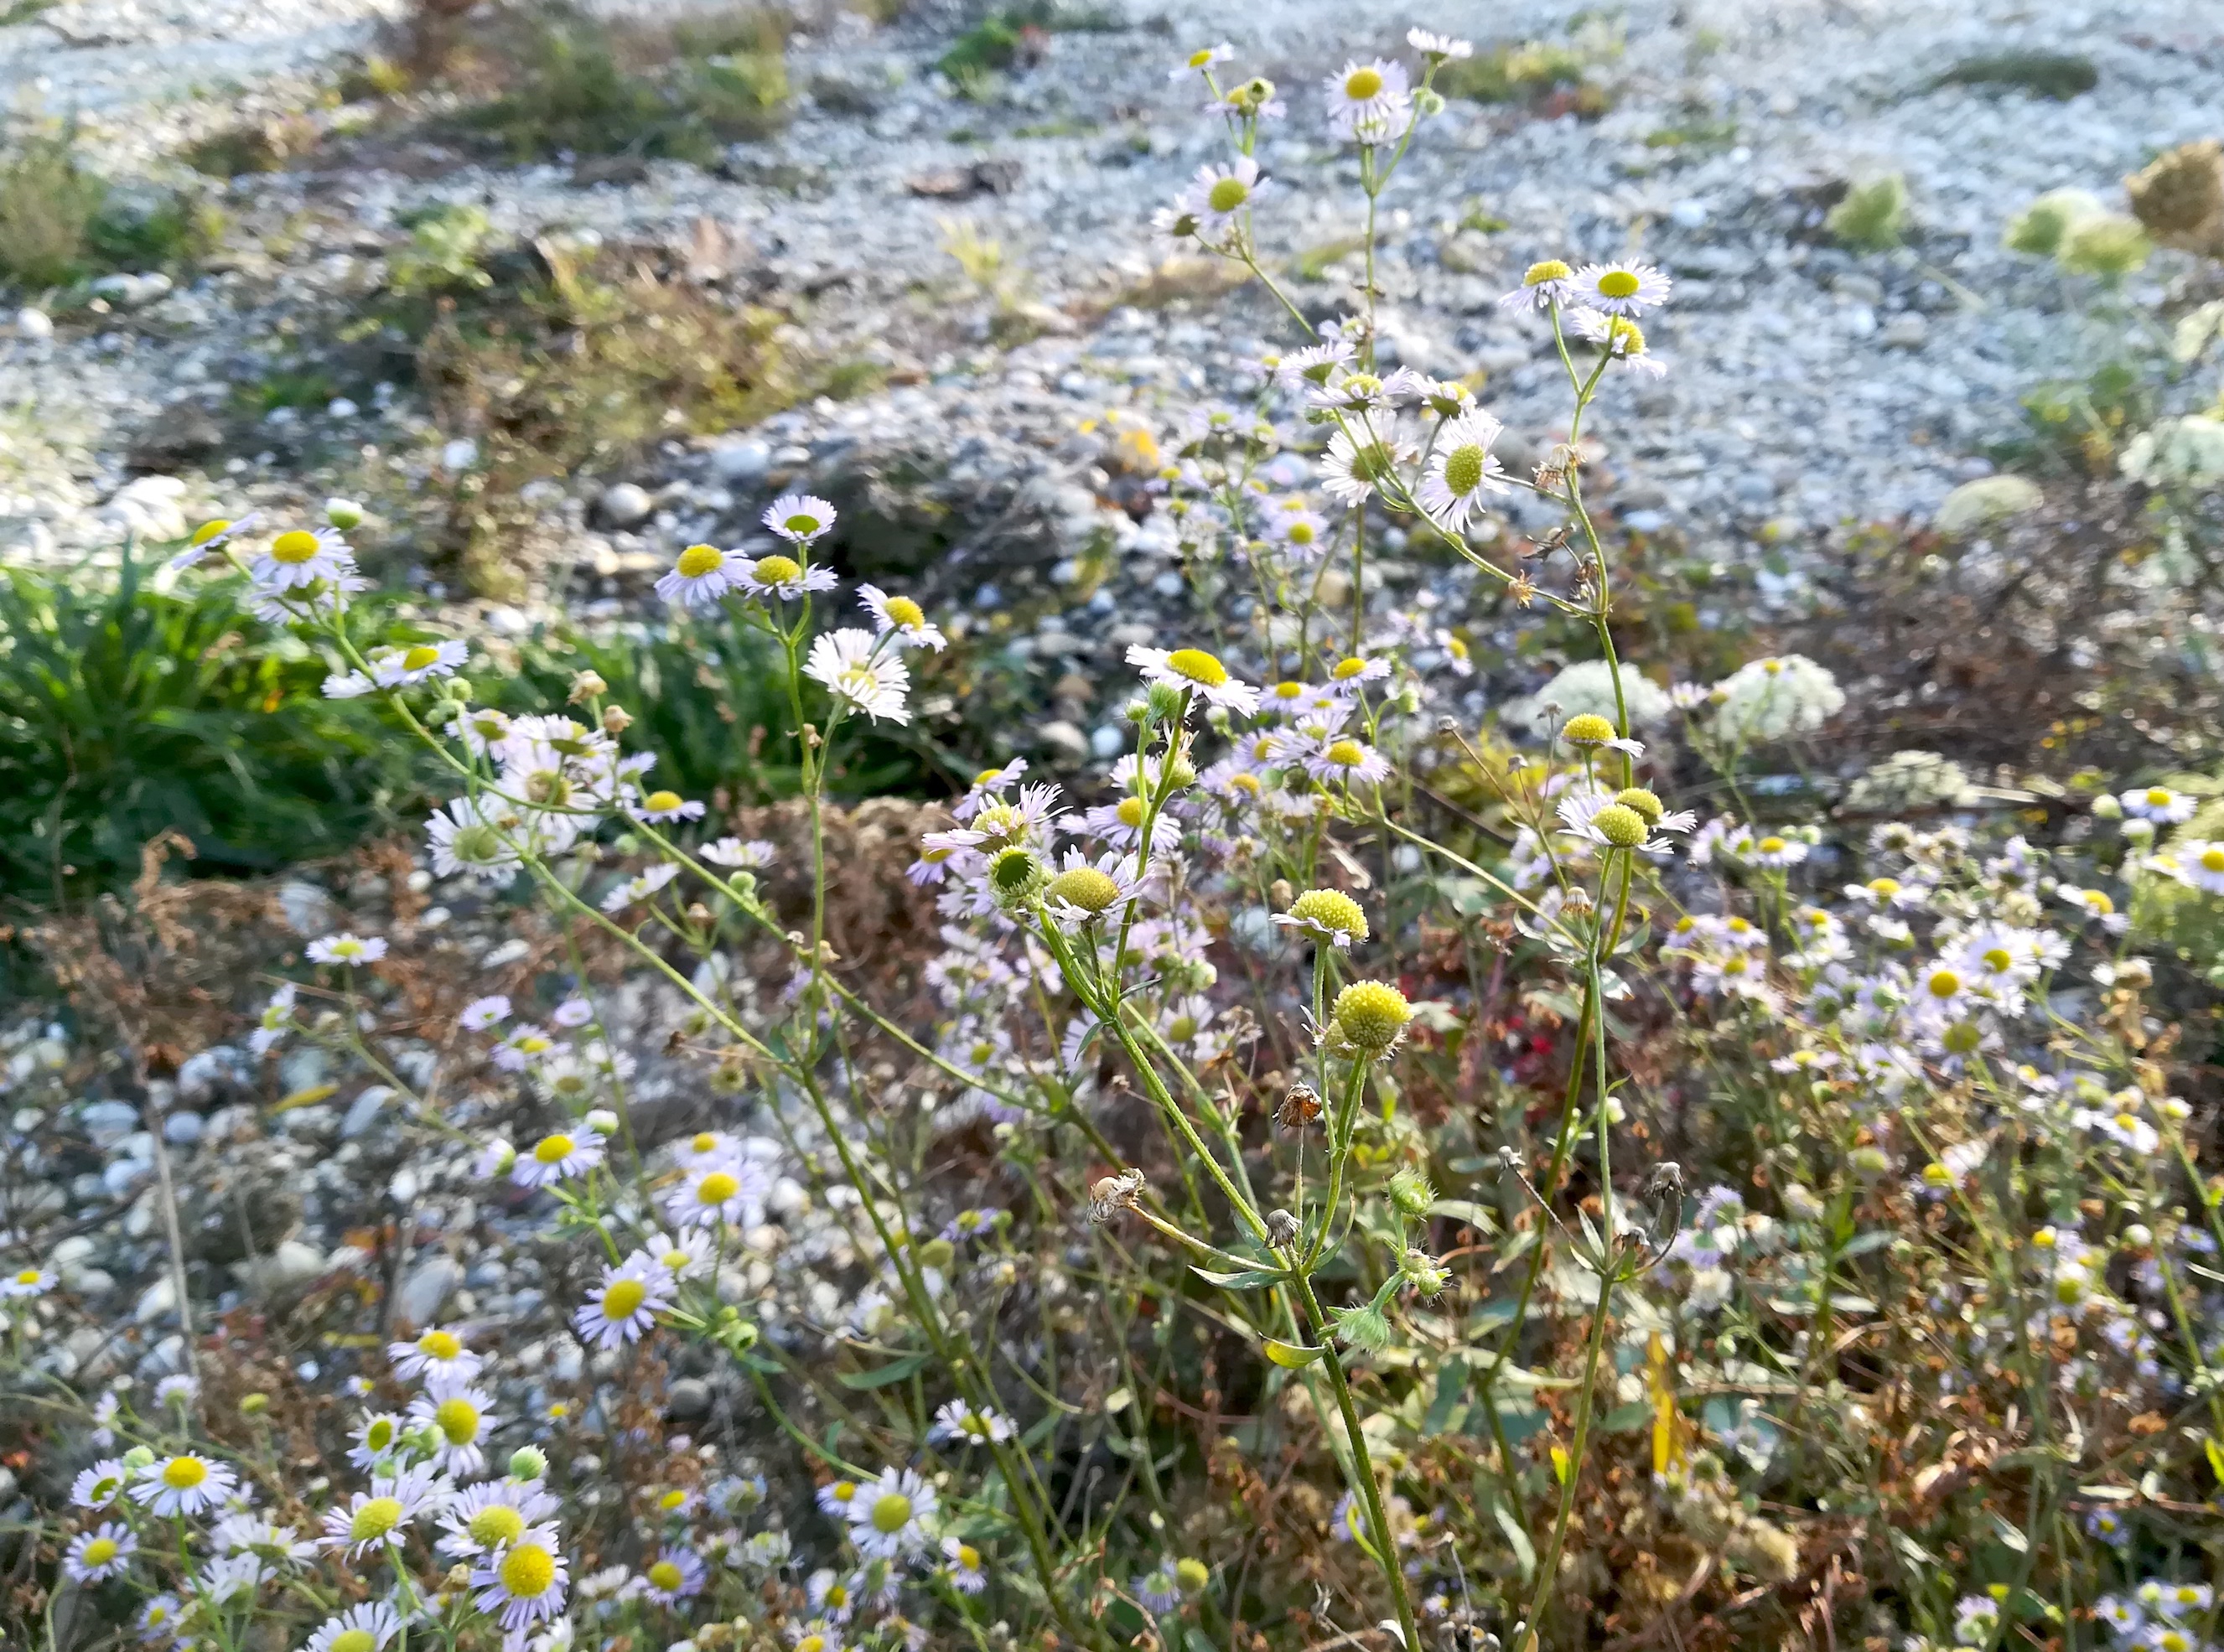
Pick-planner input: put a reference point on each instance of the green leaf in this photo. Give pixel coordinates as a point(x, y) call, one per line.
point(1862, 1244)
point(2010, 1535)
point(2216, 1459)
point(1628, 1419)
point(895, 1372)
point(1243, 1279)
point(1525, 1552)
point(1451, 1385)
point(1289, 1356)
point(1479, 1217)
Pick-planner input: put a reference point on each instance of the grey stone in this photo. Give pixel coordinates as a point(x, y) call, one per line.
point(428, 1286)
point(34, 325)
point(626, 505)
point(740, 461)
point(687, 1398)
point(363, 1110)
point(293, 1264)
point(1062, 737)
point(1907, 331)
point(108, 1122)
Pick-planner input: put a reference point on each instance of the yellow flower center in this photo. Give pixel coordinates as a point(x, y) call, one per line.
point(1772, 846)
point(526, 1571)
point(1245, 782)
point(1464, 469)
point(777, 571)
point(622, 1299)
point(1131, 812)
point(674, 1260)
point(100, 1551)
point(458, 1420)
point(375, 1519)
point(812, 1644)
point(1086, 887)
point(353, 1640)
point(2097, 902)
point(968, 1558)
point(905, 613)
point(1998, 959)
point(1347, 669)
point(2157, 797)
point(1361, 83)
point(496, 1524)
point(379, 1435)
point(28, 1277)
point(419, 658)
point(717, 1187)
point(1181, 1030)
point(1346, 754)
point(699, 559)
point(1884, 888)
point(659, 803)
point(2211, 859)
point(184, 1473)
point(1332, 909)
point(1617, 284)
point(208, 531)
point(1228, 193)
point(1945, 983)
point(1551, 269)
point(675, 1499)
point(803, 524)
point(553, 1149)
point(295, 547)
point(891, 1512)
point(1201, 57)
point(1198, 666)
point(844, 1490)
point(665, 1575)
point(1301, 533)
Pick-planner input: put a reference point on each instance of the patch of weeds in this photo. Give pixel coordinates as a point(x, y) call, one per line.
point(556, 80)
point(846, 381)
point(125, 712)
point(61, 221)
point(1534, 72)
point(2058, 75)
point(1873, 216)
point(446, 241)
point(1480, 218)
point(1313, 263)
point(2076, 426)
point(251, 147)
point(291, 387)
point(1699, 133)
point(1064, 126)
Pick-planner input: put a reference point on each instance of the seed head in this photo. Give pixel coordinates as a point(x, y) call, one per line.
point(1643, 802)
point(1330, 910)
point(1372, 1015)
point(1085, 886)
point(1620, 825)
point(1299, 1108)
point(1588, 730)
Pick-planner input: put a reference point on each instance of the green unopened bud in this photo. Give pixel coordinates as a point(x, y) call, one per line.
point(254, 1405)
point(1192, 1574)
point(457, 689)
point(1411, 1194)
point(1424, 1275)
point(2105, 807)
point(138, 1457)
point(1363, 1326)
point(1869, 1161)
point(528, 1463)
point(1016, 877)
point(343, 513)
point(937, 1253)
point(1429, 101)
point(1164, 702)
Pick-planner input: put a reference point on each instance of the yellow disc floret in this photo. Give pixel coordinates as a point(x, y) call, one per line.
point(1330, 910)
point(526, 1571)
point(699, 559)
point(1370, 1014)
point(1196, 665)
point(1588, 730)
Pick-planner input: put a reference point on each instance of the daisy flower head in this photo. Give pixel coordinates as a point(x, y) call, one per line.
point(1622, 289)
point(781, 576)
point(381, 1516)
point(493, 1514)
point(1084, 891)
point(639, 888)
point(1547, 282)
point(375, 1434)
point(482, 1014)
point(25, 1282)
point(556, 1158)
point(366, 1628)
point(97, 1556)
point(732, 1192)
point(1619, 337)
point(1462, 469)
point(676, 1572)
point(1358, 461)
point(346, 949)
point(683, 1256)
point(699, 577)
point(1778, 852)
point(1201, 60)
point(799, 518)
point(99, 1487)
point(735, 854)
point(958, 1421)
point(660, 806)
point(836, 1497)
point(2158, 804)
point(1196, 672)
point(1310, 364)
point(435, 1354)
point(1432, 45)
point(208, 536)
point(817, 1636)
point(888, 1516)
point(962, 1565)
point(857, 672)
point(2203, 863)
point(420, 662)
point(159, 1617)
point(1218, 197)
point(1298, 529)
point(459, 1415)
point(300, 557)
point(1347, 761)
point(1368, 102)
point(1330, 914)
point(524, 1583)
point(184, 1485)
point(473, 837)
point(624, 1306)
point(901, 617)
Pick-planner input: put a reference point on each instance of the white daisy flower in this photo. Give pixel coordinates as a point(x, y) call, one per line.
point(406, 667)
point(256, 1535)
point(736, 855)
point(1218, 196)
point(99, 1487)
point(435, 1354)
point(666, 806)
point(1546, 283)
point(2203, 864)
point(1347, 761)
point(481, 1013)
point(1084, 891)
point(1775, 851)
point(184, 1485)
point(1368, 102)
point(1297, 529)
point(732, 1192)
point(639, 888)
point(366, 1628)
point(557, 1157)
point(781, 576)
point(1622, 289)
point(836, 1497)
point(682, 1255)
point(1201, 60)
point(493, 1514)
point(815, 1636)
point(901, 617)
point(233, 1576)
point(375, 1434)
point(888, 1517)
point(524, 1584)
point(1461, 470)
point(345, 949)
point(676, 1572)
point(702, 575)
point(799, 518)
point(208, 536)
point(97, 1556)
point(958, 1421)
point(624, 1306)
point(858, 671)
point(1197, 672)
point(26, 1282)
point(1619, 337)
point(473, 837)
point(1430, 44)
point(2159, 804)
point(160, 1618)
point(300, 557)
point(460, 1415)
point(381, 1516)
point(1357, 462)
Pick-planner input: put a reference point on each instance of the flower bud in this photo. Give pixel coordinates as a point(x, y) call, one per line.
point(343, 513)
point(138, 1457)
point(1192, 1574)
point(615, 719)
point(254, 1405)
point(528, 1463)
point(1411, 1194)
point(1424, 1274)
point(937, 1253)
point(603, 1122)
point(587, 685)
